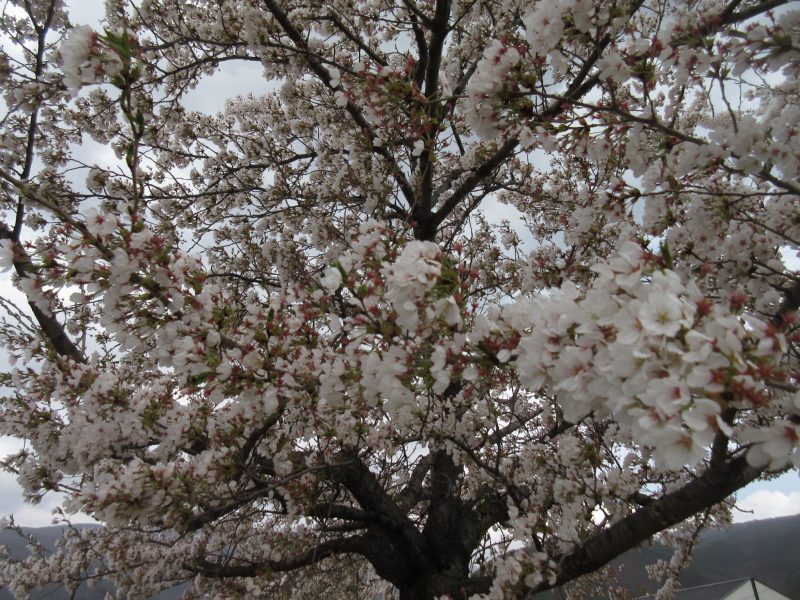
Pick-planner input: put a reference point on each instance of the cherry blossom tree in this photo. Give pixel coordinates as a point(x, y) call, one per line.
point(293, 346)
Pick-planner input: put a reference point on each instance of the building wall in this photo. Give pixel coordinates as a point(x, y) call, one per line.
point(745, 592)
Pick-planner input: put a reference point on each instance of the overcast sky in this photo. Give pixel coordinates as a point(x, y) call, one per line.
point(775, 498)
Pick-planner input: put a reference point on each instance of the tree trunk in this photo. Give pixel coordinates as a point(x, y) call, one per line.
point(419, 590)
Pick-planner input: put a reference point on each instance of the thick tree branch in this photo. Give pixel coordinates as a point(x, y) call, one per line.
point(581, 84)
point(424, 200)
point(422, 50)
point(372, 497)
point(353, 37)
point(790, 304)
point(712, 487)
point(729, 16)
point(341, 511)
point(33, 123)
point(322, 73)
point(412, 492)
point(48, 324)
point(350, 545)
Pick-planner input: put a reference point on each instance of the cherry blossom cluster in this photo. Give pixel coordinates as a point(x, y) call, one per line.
point(86, 59)
point(495, 73)
point(648, 347)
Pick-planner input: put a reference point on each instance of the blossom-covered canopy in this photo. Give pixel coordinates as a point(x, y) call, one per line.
point(476, 296)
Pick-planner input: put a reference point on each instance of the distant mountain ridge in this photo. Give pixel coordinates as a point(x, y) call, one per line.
point(768, 550)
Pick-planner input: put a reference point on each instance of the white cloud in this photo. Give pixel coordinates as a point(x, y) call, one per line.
point(13, 503)
point(86, 12)
point(10, 292)
point(31, 515)
point(767, 504)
